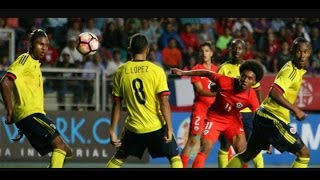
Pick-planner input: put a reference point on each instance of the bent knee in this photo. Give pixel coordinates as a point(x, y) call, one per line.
point(304, 152)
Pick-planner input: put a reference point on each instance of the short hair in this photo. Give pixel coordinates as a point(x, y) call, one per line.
point(296, 42)
point(255, 67)
point(206, 43)
point(234, 41)
point(36, 34)
point(138, 43)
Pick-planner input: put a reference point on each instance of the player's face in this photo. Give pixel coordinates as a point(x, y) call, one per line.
point(40, 47)
point(237, 50)
point(205, 53)
point(247, 79)
point(302, 54)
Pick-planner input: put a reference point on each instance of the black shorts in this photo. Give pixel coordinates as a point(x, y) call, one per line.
point(135, 144)
point(40, 131)
point(281, 135)
point(247, 118)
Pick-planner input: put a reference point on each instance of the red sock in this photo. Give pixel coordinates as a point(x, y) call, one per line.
point(246, 165)
point(230, 153)
point(199, 160)
point(185, 160)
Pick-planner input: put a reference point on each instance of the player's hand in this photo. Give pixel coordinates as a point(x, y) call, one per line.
point(168, 137)
point(114, 139)
point(9, 119)
point(299, 114)
point(176, 71)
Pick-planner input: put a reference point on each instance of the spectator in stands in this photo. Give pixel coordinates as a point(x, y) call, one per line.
point(93, 63)
point(189, 37)
point(281, 57)
point(71, 50)
point(170, 33)
point(66, 83)
point(172, 56)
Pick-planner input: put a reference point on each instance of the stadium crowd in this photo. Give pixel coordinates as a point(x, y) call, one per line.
point(174, 41)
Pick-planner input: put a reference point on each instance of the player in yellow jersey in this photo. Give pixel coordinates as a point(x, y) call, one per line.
point(143, 85)
point(271, 121)
point(24, 80)
point(231, 69)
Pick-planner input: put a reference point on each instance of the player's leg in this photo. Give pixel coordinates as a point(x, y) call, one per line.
point(44, 137)
point(225, 152)
point(158, 147)
point(209, 136)
point(132, 144)
point(196, 126)
point(247, 117)
point(256, 143)
point(288, 139)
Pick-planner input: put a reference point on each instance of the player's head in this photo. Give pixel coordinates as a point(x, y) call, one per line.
point(39, 44)
point(251, 72)
point(205, 51)
point(237, 49)
point(138, 44)
point(301, 50)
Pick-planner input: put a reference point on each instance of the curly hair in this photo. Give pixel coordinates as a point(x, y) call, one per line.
point(253, 66)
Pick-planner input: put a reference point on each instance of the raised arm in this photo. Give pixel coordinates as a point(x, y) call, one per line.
point(179, 72)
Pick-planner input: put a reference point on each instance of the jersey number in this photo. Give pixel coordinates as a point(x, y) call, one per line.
point(138, 90)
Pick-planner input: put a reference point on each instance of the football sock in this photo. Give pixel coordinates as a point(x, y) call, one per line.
point(245, 165)
point(235, 162)
point(185, 160)
point(230, 153)
point(258, 161)
point(301, 162)
point(114, 163)
point(57, 158)
point(222, 158)
point(175, 162)
point(199, 161)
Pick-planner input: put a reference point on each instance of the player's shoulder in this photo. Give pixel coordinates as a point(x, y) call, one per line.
point(287, 68)
point(22, 59)
point(225, 65)
point(197, 66)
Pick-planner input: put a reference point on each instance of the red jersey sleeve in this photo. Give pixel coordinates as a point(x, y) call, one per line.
point(253, 101)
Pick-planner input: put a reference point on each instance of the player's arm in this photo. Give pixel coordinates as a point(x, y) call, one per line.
point(197, 86)
point(6, 90)
point(276, 93)
point(115, 116)
point(179, 72)
point(166, 112)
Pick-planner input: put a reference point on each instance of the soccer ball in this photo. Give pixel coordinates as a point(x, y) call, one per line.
point(88, 43)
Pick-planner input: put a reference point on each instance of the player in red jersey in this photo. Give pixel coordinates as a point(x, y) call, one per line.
point(224, 116)
point(203, 100)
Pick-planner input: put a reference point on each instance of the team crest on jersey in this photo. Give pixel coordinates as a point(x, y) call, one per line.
point(205, 132)
point(293, 130)
point(239, 105)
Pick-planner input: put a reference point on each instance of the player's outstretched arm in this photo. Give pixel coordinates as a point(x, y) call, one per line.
point(180, 72)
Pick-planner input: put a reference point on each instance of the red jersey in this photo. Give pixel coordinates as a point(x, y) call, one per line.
point(205, 82)
point(228, 102)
